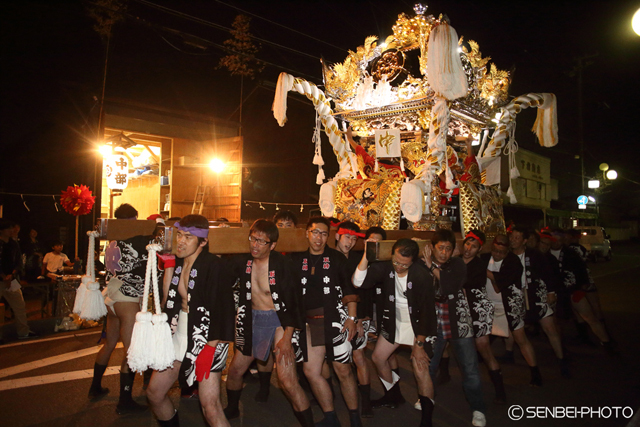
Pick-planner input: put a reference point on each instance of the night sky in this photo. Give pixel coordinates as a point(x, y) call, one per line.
point(52, 67)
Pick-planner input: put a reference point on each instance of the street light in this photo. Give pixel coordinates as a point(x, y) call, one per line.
point(635, 22)
point(611, 174)
point(594, 183)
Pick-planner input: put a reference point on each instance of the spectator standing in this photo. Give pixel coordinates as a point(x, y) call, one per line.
point(10, 273)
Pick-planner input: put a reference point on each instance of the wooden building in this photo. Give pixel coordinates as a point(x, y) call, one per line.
point(170, 157)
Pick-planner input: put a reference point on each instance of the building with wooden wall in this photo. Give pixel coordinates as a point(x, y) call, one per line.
point(169, 155)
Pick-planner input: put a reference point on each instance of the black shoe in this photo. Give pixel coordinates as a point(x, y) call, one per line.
point(31, 334)
point(392, 398)
point(536, 377)
point(231, 413)
point(130, 407)
point(95, 395)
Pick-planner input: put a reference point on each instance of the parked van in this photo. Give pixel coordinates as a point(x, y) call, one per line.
point(596, 240)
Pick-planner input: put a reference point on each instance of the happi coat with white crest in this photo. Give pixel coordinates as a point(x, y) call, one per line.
point(286, 294)
point(211, 308)
point(331, 273)
point(420, 299)
point(540, 281)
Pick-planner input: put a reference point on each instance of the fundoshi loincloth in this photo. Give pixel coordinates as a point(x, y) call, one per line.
point(180, 337)
point(315, 320)
point(265, 323)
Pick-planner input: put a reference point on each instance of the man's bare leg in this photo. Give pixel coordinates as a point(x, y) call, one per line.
point(529, 355)
point(584, 310)
point(483, 344)
point(347, 384)
point(96, 391)
point(288, 378)
point(126, 312)
point(157, 392)
point(549, 328)
point(209, 390)
point(265, 370)
point(237, 368)
point(313, 371)
point(380, 357)
point(362, 369)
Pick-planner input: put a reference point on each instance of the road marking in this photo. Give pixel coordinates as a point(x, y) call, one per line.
point(54, 378)
point(18, 369)
point(36, 341)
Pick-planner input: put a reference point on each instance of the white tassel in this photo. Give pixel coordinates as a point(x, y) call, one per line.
point(327, 198)
point(151, 343)
point(90, 275)
point(449, 181)
point(80, 294)
point(279, 107)
point(512, 196)
point(164, 350)
point(412, 200)
point(317, 159)
point(142, 340)
point(377, 168)
point(514, 173)
point(320, 177)
point(93, 307)
point(444, 66)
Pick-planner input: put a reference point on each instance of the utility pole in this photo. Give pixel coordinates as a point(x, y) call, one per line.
point(582, 63)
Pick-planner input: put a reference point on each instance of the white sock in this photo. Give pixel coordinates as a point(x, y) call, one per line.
point(388, 385)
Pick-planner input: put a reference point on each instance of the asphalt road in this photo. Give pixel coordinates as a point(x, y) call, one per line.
point(44, 382)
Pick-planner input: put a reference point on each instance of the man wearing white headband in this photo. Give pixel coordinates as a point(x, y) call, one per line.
point(200, 311)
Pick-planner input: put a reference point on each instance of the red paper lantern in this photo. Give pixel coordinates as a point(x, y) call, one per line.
point(77, 200)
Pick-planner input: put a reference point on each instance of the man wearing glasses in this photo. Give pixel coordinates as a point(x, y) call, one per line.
point(330, 308)
point(407, 318)
point(269, 319)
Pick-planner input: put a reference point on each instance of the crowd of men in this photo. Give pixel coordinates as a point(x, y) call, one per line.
point(314, 312)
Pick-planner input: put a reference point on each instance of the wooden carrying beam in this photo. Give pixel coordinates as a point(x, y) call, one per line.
point(381, 251)
point(232, 240)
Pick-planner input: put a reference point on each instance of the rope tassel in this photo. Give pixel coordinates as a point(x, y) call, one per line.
point(88, 277)
point(151, 344)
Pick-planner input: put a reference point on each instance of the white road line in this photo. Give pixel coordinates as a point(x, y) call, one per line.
point(53, 378)
point(18, 369)
point(32, 341)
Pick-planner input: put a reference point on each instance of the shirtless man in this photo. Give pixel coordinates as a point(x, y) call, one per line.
point(269, 319)
point(200, 311)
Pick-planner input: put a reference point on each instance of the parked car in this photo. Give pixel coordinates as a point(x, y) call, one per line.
point(596, 240)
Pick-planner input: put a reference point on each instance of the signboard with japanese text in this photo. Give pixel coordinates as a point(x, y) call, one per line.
point(387, 143)
point(117, 171)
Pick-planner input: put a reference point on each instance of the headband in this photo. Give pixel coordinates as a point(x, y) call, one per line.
point(198, 232)
point(548, 235)
point(352, 232)
point(500, 243)
point(472, 235)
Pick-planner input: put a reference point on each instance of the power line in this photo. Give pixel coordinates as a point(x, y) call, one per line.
point(155, 27)
point(280, 25)
point(220, 27)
